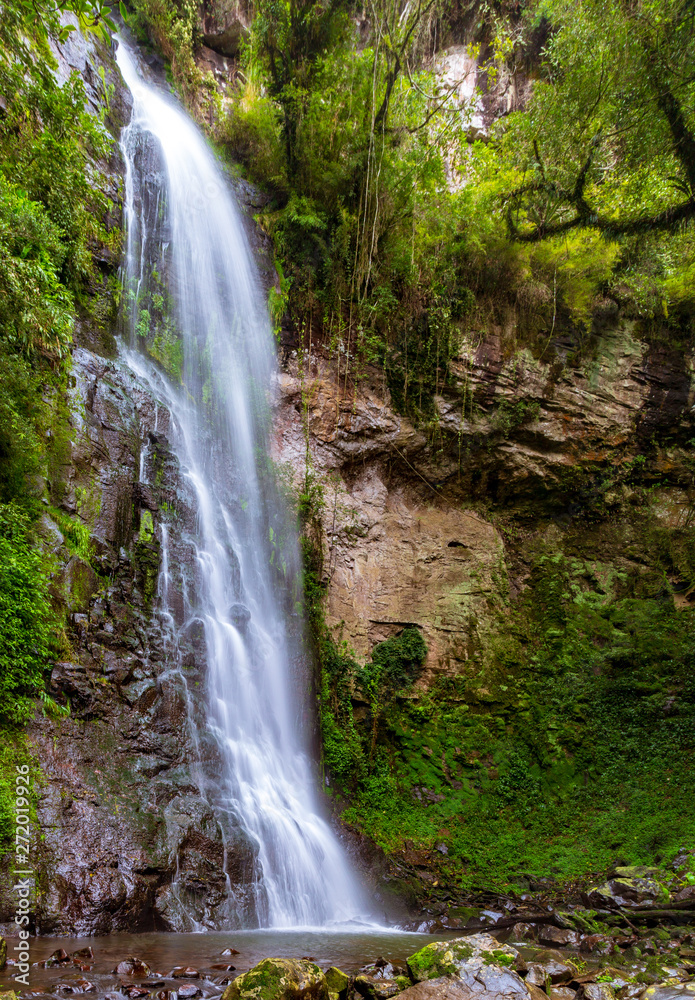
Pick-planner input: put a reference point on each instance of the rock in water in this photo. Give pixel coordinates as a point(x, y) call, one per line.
point(462, 956)
point(132, 967)
point(279, 979)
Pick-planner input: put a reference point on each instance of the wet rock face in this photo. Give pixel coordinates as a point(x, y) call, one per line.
point(401, 543)
point(129, 842)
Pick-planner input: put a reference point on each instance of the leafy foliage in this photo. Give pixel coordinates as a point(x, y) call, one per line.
point(25, 617)
point(398, 232)
point(557, 757)
point(52, 225)
point(36, 310)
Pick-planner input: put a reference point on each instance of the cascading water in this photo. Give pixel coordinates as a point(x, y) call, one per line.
point(188, 258)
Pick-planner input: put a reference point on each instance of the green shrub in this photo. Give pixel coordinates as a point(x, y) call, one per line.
point(36, 310)
point(25, 617)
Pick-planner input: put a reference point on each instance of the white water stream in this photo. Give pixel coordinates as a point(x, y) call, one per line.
point(187, 248)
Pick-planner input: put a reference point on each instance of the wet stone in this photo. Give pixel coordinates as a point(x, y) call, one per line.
point(187, 973)
point(188, 990)
point(523, 932)
point(443, 988)
point(338, 983)
point(239, 615)
point(557, 936)
point(451, 957)
point(280, 979)
point(59, 957)
point(536, 974)
point(132, 967)
point(601, 991)
point(83, 954)
point(558, 972)
point(229, 951)
point(134, 991)
point(597, 944)
point(562, 993)
point(376, 987)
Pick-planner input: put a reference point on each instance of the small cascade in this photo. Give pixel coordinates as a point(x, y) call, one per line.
point(189, 262)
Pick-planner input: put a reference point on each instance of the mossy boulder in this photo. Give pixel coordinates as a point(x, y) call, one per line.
point(445, 958)
point(3, 952)
point(338, 983)
point(279, 979)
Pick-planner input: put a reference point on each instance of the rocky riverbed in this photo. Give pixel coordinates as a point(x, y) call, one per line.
point(524, 962)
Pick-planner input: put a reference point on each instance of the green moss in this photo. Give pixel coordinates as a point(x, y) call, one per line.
point(277, 979)
point(146, 532)
point(338, 983)
point(564, 748)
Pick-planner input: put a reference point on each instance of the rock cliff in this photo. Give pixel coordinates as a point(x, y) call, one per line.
point(414, 520)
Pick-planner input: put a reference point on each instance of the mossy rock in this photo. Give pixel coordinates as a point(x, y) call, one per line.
point(338, 983)
point(279, 979)
point(444, 958)
point(3, 952)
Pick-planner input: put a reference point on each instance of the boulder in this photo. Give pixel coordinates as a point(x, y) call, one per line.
point(338, 983)
point(524, 932)
point(669, 991)
point(444, 958)
point(557, 936)
point(598, 944)
point(442, 988)
point(634, 884)
point(377, 987)
point(558, 972)
point(599, 991)
point(132, 967)
point(83, 954)
point(226, 37)
point(279, 979)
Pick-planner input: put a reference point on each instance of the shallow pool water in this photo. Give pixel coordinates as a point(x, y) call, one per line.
point(347, 949)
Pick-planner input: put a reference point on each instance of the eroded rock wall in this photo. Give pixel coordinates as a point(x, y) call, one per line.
point(414, 518)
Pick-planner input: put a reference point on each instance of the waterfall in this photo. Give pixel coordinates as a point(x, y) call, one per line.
point(188, 264)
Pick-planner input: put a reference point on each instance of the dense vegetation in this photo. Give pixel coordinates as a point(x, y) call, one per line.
point(51, 227)
point(564, 748)
point(401, 231)
point(399, 227)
